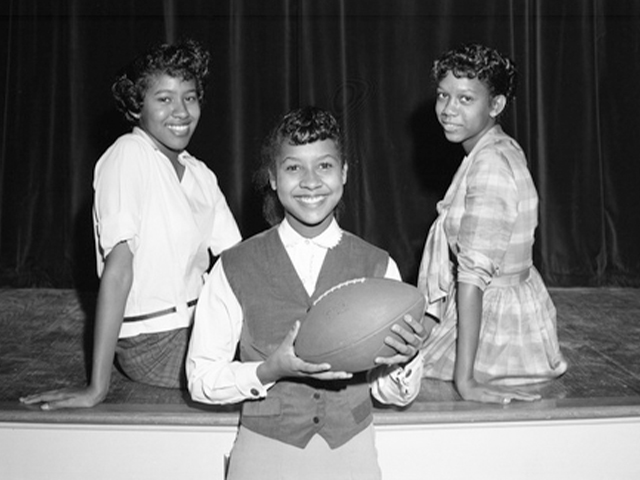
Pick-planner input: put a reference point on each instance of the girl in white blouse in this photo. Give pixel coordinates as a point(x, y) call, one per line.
point(158, 214)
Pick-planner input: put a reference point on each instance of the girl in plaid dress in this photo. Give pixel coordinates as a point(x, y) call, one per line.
point(496, 324)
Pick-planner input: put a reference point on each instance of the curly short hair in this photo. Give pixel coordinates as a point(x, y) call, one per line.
point(497, 71)
point(299, 126)
point(187, 60)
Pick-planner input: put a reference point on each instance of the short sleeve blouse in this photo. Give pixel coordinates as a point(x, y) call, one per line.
point(169, 225)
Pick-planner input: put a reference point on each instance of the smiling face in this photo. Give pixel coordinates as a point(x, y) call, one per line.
point(170, 113)
point(309, 180)
point(466, 110)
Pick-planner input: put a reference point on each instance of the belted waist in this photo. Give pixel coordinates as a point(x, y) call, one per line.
point(511, 279)
point(159, 313)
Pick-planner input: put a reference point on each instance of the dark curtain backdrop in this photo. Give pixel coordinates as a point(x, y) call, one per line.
point(366, 60)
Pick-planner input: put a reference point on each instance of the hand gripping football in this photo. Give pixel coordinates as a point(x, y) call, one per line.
point(347, 325)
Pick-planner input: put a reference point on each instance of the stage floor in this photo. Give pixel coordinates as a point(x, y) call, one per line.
point(44, 334)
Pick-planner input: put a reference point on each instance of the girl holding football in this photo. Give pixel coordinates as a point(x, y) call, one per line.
point(299, 420)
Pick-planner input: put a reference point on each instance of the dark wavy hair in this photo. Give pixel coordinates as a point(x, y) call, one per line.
point(497, 71)
point(187, 60)
point(300, 126)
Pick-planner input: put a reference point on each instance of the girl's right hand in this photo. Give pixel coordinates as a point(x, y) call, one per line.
point(71, 397)
point(283, 362)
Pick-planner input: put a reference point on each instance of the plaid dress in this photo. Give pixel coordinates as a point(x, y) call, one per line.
point(484, 235)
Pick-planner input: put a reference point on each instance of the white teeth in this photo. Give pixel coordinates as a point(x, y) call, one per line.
point(179, 128)
point(310, 200)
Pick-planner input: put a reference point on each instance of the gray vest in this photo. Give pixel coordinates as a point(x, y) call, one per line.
point(272, 297)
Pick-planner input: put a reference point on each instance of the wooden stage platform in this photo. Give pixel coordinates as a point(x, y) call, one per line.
point(44, 335)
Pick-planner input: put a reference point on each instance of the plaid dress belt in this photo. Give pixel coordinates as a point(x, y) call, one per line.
point(159, 313)
point(511, 279)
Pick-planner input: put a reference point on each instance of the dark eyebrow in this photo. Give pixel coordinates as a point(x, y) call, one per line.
point(328, 155)
point(175, 92)
point(323, 157)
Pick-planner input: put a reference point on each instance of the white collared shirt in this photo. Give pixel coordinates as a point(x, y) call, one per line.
point(212, 374)
point(307, 254)
point(168, 224)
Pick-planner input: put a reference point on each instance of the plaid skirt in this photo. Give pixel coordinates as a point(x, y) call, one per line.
point(155, 358)
point(518, 342)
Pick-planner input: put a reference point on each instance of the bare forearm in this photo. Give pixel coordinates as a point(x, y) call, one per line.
point(469, 301)
point(114, 289)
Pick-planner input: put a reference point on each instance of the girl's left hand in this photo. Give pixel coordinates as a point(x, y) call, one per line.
point(413, 335)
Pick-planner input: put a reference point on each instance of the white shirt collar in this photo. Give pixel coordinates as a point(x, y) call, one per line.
point(327, 239)
point(182, 156)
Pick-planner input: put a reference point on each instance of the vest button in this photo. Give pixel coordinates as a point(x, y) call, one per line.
point(316, 420)
point(316, 396)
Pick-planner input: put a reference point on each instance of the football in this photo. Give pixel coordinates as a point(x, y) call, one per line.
point(347, 325)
